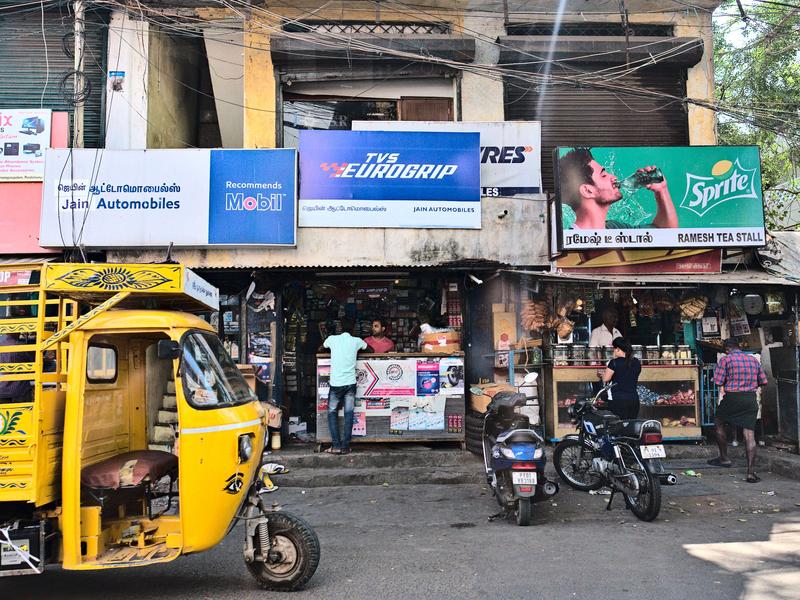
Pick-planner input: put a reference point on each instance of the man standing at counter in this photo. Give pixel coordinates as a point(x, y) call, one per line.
point(607, 332)
point(378, 342)
point(344, 349)
point(738, 376)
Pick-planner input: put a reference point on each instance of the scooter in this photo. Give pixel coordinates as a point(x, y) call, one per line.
point(514, 457)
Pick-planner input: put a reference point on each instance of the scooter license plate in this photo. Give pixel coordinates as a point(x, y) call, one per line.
point(656, 451)
point(523, 477)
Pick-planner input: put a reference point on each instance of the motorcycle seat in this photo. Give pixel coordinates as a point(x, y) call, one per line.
point(633, 428)
point(519, 436)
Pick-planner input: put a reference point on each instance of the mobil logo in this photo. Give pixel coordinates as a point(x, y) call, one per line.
point(504, 155)
point(258, 202)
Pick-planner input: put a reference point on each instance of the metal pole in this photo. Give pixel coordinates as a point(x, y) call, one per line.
point(77, 137)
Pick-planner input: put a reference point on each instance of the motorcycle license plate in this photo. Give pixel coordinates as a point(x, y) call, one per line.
point(656, 451)
point(523, 477)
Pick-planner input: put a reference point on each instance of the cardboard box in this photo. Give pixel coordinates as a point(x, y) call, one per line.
point(504, 330)
point(479, 402)
point(441, 339)
point(441, 349)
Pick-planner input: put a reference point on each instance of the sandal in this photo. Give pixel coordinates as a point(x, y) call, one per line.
point(344, 451)
point(333, 450)
point(717, 462)
point(752, 478)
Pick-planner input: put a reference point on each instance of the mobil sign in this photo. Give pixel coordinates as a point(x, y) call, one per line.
point(128, 198)
point(510, 152)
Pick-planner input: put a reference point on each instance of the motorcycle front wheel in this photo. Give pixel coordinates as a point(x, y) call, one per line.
point(573, 463)
point(647, 503)
point(523, 511)
point(294, 554)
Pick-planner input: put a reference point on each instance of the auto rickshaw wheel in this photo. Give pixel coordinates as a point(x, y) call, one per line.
point(293, 557)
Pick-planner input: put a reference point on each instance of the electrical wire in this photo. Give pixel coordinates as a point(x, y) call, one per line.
point(46, 60)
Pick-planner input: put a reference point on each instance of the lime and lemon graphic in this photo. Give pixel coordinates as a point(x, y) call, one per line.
point(721, 168)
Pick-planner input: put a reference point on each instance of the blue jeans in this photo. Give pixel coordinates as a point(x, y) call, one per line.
point(338, 395)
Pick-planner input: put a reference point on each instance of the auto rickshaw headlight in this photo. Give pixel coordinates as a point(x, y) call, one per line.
point(245, 447)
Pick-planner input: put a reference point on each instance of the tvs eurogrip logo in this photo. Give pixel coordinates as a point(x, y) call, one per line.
point(504, 155)
point(380, 165)
point(728, 181)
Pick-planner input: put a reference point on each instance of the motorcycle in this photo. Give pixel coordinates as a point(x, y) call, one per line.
point(514, 458)
point(621, 454)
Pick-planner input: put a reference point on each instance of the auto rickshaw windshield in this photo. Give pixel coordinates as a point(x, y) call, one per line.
point(210, 377)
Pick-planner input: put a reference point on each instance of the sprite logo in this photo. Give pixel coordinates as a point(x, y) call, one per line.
point(728, 181)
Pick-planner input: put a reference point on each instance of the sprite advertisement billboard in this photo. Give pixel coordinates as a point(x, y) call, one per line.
point(659, 197)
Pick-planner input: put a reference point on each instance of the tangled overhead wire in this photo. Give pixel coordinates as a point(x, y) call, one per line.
point(73, 94)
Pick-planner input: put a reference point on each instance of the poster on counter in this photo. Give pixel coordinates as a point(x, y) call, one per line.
point(427, 377)
point(398, 420)
point(390, 179)
point(451, 376)
point(659, 197)
point(426, 413)
point(24, 137)
point(359, 424)
point(386, 378)
point(511, 151)
point(188, 197)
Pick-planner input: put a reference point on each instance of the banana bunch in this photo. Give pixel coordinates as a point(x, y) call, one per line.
point(533, 315)
point(693, 308)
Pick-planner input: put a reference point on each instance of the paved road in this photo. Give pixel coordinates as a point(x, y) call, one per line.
point(717, 537)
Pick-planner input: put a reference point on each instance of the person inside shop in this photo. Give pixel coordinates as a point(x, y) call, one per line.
point(590, 190)
point(607, 332)
point(623, 371)
point(344, 348)
point(378, 342)
point(738, 376)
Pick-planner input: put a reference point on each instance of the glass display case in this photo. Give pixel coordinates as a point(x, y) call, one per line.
point(667, 393)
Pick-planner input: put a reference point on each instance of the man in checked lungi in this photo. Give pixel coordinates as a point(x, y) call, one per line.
point(738, 375)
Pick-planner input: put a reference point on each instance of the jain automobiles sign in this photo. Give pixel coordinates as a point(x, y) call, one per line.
point(659, 197)
point(130, 198)
point(389, 179)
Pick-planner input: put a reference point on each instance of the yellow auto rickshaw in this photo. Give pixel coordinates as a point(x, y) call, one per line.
point(128, 436)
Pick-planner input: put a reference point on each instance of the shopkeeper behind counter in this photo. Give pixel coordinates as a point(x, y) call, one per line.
point(607, 332)
point(378, 342)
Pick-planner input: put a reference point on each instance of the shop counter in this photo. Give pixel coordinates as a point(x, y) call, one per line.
point(400, 397)
point(668, 393)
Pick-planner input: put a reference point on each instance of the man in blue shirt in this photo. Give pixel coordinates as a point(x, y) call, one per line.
point(344, 348)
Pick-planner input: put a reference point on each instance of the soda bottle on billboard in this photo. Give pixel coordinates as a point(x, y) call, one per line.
point(639, 180)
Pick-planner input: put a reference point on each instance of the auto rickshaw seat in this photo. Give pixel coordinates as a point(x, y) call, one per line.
point(139, 468)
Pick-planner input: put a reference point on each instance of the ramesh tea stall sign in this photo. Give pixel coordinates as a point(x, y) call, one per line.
point(659, 197)
point(389, 179)
point(511, 151)
point(130, 198)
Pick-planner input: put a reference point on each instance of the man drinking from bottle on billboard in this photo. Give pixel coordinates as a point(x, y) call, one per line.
point(590, 190)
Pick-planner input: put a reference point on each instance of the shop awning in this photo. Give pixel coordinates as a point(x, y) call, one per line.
point(739, 277)
point(781, 255)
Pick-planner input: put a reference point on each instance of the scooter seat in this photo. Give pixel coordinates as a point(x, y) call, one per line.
point(519, 436)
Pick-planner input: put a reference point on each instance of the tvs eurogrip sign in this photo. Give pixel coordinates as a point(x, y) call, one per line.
point(389, 179)
point(130, 198)
point(659, 197)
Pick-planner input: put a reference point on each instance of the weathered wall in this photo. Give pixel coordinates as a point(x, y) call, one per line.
point(481, 97)
point(126, 104)
point(174, 76)
point(224, 41)
point(513, 233)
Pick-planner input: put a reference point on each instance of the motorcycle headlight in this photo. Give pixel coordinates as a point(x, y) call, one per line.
point(507, 452)
point(245, 447)
point(538, 453)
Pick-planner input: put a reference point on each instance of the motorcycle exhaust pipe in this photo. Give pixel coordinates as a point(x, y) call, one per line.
point(550, 488)
point(668, 479)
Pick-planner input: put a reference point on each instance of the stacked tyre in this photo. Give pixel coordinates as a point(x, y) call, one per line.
point(473, 432)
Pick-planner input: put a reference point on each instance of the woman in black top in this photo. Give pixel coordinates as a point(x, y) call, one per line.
point(623, 370)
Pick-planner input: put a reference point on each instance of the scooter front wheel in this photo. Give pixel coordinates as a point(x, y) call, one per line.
point(523, 511)
point(293, 556)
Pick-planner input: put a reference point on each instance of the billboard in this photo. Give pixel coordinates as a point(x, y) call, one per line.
point(659, 197)
point(511, 151)
point(130, 198)
point(24, 137)
point(389, 179)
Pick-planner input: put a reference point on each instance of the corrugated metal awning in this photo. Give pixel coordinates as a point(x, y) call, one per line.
point(739, 277)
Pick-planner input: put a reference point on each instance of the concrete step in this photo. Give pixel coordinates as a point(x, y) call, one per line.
point(313, 478)
point(358, 459)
